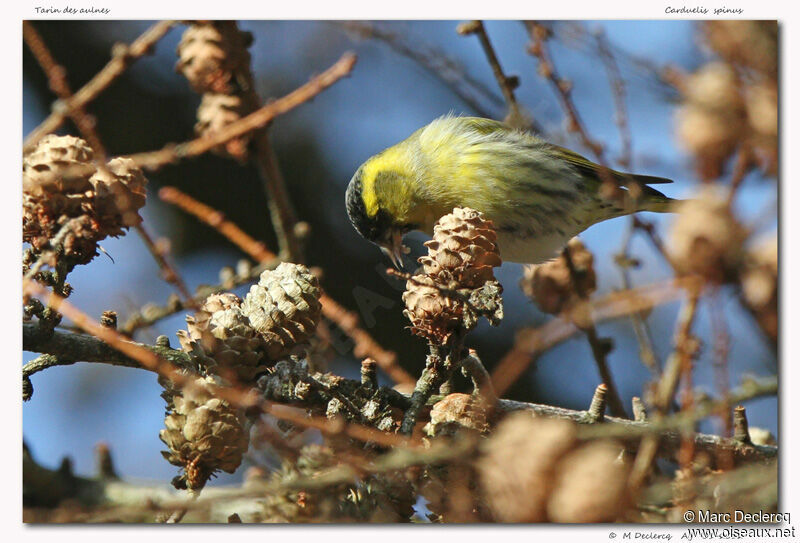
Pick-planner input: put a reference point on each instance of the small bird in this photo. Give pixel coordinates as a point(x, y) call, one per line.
point(537, 194)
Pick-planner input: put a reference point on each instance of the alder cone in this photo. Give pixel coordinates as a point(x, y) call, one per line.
point(211, 54)
point(518, 464)
point(463, 249)
point(217, 111)
point(551, 285)
point(284, 308)
point(119, 195)
point(58, 164)
point(61, 183)
point(456, 283)
point(589, 485)
point(706, 238)
point(222, 341)
point(204, 434)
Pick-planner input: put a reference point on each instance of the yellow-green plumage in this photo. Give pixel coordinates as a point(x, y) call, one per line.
point(537, 194)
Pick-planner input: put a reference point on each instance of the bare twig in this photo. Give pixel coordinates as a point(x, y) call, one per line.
point(281, 210)
point(681, 358)
point(721, 342)
point(685, 349)
point(644, 337)
point(618, 90)
point(538, 48)
point(168, 272)
point(744, 160)
point(437, 63)
point(217, 220)
point(172, 153)
point(57, 77)
point(122, 57)
point(507, 84)
point(600, 346)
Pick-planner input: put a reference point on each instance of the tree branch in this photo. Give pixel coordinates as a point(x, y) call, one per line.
point(172, 153)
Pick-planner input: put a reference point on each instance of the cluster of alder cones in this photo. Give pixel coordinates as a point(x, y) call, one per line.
point(213, 57)
point(63, 185)
point(234, 341)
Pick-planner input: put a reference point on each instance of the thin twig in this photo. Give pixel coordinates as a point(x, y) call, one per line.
point(741, 167)
point(122, 57)
point(168, 272)
point(644, 338)
point(57, 78)
point(538, 48)
point(281, 210)
point(677, 363)
point(435, 62)
point(173, 153)
point(600, 346)
point(507, 84)
point(721, 335)
point(618, 91)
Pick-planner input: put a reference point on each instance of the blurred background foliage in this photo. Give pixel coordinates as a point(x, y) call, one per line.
point(319, 146)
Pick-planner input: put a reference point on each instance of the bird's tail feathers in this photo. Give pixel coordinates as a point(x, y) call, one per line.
point(655, 201)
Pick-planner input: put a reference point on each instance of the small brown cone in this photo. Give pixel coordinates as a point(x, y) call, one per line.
point(518, 462)
point(760, 285)
point(222, 341)
point(61, 183)
point(211, 54)
point(284, 308)
point(204, 434)
point(550, 284)
point(458, 411)
point(706, 239)
point(217, 111)
point(456, 283)
point(590, 485)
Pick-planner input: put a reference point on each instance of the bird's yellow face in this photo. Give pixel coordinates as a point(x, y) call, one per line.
point(378, 202)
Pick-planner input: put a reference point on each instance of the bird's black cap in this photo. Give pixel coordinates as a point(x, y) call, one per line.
point(372, 228)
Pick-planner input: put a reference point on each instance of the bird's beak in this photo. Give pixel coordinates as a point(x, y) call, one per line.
point(394, 248)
